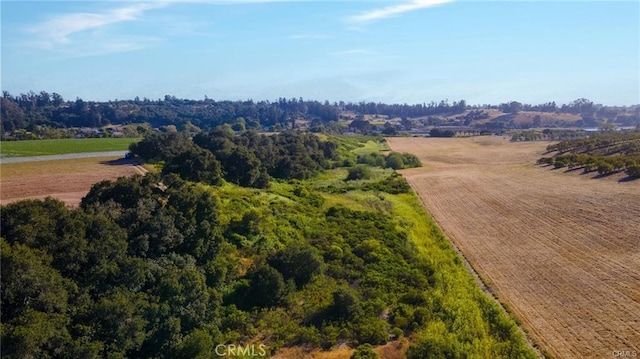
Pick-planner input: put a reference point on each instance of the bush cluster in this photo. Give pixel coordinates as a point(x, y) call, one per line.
point(394, 160)
point(248, 159)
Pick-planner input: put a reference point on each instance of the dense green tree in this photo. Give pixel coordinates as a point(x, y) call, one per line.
point(346, 305)
point(124, 192)
point(118, 320)
point(267, 287)
point(35, 299)
point(633, 171)
point(395, 161)
point(243, 168)
point(298, 262)
point(195, 164)
point(49, 226)
point(162, 146)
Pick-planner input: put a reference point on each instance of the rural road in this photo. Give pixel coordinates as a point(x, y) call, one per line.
point(61, 157)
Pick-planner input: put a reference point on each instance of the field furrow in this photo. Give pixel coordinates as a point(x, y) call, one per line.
point(67, 180)
point(561, 250)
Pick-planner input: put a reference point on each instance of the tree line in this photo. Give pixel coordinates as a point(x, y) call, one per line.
point(604, 153)
point(31, 111)
point(26, 111)
point(548, 134)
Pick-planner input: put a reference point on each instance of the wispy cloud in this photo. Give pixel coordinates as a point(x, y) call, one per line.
point(58, 30)
point(91, 33)
point(88, 48)
point(394, 10)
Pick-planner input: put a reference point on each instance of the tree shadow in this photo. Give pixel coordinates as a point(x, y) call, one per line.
point(628, 179)
point(603, 175)
point(575, 169)
point(118, 162)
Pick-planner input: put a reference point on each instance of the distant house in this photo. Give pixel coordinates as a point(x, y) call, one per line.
point(85, 132)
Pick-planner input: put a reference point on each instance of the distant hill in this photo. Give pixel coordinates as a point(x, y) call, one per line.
point(36, 112)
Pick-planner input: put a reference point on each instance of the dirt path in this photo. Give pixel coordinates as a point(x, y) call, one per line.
point(68, 180)
point(561, 250)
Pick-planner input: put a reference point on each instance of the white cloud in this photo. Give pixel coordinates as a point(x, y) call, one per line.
point(394, 10)
point(57, 30)
point(74, 33)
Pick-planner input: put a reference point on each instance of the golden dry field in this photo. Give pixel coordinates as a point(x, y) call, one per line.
point(67, 180)
point(561, 250)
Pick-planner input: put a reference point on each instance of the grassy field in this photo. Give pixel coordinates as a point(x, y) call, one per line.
point(559, 249)
point(63, 146)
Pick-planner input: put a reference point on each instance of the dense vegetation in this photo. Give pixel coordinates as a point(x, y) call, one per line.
point(605, 153)
point(249, 159)
point(166, 267)
point(28, 111)
point(45, 115)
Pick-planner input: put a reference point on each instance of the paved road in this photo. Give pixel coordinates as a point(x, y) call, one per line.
point(62, 157)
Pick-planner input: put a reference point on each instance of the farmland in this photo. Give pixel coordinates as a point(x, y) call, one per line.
point(559, 249)
point(67, 180)
point(63, 146)
point(366, 268)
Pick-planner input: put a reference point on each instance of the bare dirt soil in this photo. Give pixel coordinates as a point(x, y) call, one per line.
point(67, 180)
point(561, 250)
point(396, 349)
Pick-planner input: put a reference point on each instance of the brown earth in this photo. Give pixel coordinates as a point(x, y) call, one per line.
point(561, 250)
point(67, 180)
point(396, 349)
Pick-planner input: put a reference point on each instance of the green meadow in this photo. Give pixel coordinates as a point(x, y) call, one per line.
point(63, 146)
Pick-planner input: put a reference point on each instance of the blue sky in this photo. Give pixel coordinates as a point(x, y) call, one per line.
point(406, 51)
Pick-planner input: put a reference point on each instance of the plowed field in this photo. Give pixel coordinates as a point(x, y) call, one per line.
point(561, 250)
point(66, 180)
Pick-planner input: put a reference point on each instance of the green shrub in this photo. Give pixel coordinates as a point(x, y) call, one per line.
point(394, 161)
point(604, 167)
point(633, 171)
point(372, 159)
point(411, 161)
point(359, 172)
point(364, 351)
